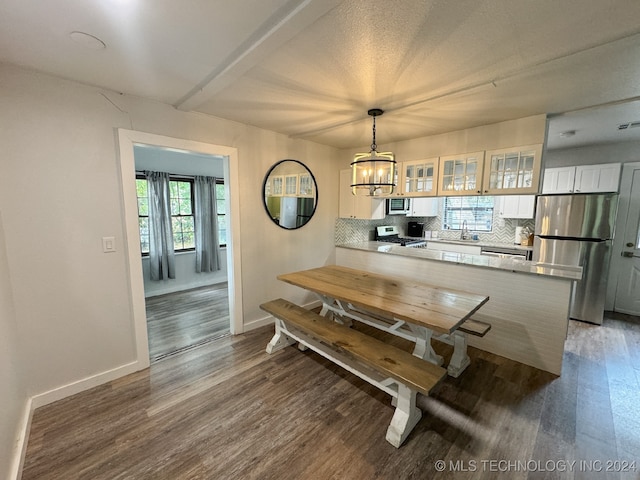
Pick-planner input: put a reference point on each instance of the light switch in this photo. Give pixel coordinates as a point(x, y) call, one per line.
point(108, 244)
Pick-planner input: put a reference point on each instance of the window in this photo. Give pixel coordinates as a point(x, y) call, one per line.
point(143, 213)
point(181, 196)
point(221, 209)
point(477, 211)
point(182, 223)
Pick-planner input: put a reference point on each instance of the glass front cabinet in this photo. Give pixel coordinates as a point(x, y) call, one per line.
point(461, 174)
point(416, 178)
point(420, 178)
point(512, 170)
point(506, 171)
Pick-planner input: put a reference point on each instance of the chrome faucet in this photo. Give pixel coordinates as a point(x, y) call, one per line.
point(464, 231)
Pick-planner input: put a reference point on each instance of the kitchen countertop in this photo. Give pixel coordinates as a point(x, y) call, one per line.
point(483, 261)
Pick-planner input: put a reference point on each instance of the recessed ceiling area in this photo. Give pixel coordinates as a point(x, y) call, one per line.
point(311, 69)
point(595, 126)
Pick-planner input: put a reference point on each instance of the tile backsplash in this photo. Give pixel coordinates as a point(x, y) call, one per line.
point(348, 230)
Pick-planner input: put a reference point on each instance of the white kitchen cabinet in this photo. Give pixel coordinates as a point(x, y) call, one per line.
point(276, 186)
point(582, 179)
point(291, 185)
point(461, 174)
point(558, 180)
point(512, 170)
point(417, 178)
point(358, 206)
point(454, 248)
point(306, 185)
point(516, 206)
point(423, 207)
point(597, 178)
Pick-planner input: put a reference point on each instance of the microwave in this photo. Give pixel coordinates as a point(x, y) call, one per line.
point(398, 206)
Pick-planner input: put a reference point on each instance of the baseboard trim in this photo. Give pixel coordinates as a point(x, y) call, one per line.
point(21, 442)
point(64, 391)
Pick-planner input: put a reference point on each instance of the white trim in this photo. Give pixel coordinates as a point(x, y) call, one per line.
point(21, 441)
point(53, 395)
point(127, 139)
point(86, 383)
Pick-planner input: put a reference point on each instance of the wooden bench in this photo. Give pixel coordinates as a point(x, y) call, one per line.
point(395, 371)
point(475, 327)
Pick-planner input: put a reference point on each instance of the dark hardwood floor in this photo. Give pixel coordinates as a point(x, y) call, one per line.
point(228, 410)
point(181, 320)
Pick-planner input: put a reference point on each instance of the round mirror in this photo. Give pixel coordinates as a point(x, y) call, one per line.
point(290, 194)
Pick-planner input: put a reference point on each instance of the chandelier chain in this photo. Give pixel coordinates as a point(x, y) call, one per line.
point(374, 147)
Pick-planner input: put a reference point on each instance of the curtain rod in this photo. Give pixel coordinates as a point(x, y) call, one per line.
point(187, 177)
point(174, 175)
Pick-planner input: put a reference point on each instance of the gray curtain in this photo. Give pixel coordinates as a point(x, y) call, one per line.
point(161, 256)
point(206, 225)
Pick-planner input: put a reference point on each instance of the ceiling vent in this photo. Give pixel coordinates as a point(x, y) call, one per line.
point(625, 126)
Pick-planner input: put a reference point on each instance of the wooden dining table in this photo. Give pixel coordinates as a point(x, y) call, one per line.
point(412, 310)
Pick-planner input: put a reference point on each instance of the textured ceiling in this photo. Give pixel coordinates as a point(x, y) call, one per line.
point(311, 69)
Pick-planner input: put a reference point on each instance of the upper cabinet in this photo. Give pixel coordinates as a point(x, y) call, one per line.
point(597, 178)
point(423, 207)
point(582, 179)
point(516, 206)
point(506, 171)
point(417, 178)
point(358, 206)
point(461, 174)
point(558, 180)
point(512, 170)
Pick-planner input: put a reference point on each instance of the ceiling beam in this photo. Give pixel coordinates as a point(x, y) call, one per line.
point(278, 29)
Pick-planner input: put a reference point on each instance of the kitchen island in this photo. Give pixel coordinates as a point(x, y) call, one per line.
point(529, 303)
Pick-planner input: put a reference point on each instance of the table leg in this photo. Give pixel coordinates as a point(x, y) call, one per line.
point(280, 340)
point(406, 416)
point(459, 360)
point(423, 348)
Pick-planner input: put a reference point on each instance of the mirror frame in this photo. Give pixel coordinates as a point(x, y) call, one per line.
point(264, 187)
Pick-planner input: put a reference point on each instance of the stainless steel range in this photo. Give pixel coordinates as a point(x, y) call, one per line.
point(390, 234)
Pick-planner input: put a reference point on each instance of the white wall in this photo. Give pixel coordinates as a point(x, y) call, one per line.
point(186, 276)
point(60, 192)
point(13, 394)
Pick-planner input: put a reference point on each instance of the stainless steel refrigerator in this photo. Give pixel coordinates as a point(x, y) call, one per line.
point(577, 230)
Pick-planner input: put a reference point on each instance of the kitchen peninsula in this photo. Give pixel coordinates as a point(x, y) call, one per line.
point(529, 303)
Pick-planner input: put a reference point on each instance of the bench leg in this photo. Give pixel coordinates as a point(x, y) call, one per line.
point(459, 360)
point(423, 348)
point(406, 416)
point(280, 340)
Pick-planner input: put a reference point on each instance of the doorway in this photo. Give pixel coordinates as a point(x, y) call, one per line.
point(192, 308)
point(128, 140)
point(626, 256)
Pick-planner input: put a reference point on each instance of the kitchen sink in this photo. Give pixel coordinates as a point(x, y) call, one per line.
point(459, 240)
